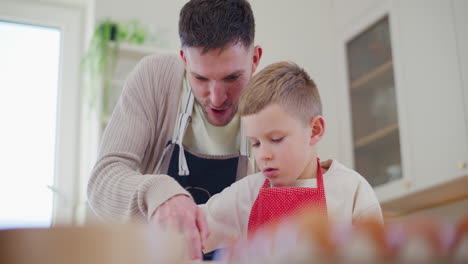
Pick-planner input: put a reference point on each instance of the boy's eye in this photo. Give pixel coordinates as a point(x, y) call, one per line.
point(255, 145)
point(200, 78)
point(277, 140)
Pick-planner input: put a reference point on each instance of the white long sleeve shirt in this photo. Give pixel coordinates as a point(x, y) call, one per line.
point(348, 195)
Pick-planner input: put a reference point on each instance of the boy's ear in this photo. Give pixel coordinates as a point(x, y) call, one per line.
point(317, 125)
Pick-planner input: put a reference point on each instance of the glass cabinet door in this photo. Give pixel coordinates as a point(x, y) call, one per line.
point(376, 140)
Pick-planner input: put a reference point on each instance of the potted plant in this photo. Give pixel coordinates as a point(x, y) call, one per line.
point(99, 60)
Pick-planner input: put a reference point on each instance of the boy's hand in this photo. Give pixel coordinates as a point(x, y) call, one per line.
point(181, 212)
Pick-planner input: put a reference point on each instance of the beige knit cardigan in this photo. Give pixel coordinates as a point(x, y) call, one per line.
point(123, 185)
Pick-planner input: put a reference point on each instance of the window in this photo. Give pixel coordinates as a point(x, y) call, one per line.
point(39, 109)
point(28, 109)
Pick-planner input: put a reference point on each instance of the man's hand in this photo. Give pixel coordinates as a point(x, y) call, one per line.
point(182, 213)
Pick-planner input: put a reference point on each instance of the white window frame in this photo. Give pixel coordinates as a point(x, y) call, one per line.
point(66, 167)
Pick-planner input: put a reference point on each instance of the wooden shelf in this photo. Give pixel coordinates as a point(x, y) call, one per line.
point(140, 50)
point(369, 76)
point(377, 135)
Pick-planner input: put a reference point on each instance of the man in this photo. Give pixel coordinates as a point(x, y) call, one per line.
point(175, 137)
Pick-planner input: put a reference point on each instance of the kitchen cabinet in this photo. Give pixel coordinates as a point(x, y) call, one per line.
point(405, 104)
point(375, 127)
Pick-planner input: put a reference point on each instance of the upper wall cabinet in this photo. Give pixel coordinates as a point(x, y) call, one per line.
point(431, 85)
point(375, 128)
point(404, 106)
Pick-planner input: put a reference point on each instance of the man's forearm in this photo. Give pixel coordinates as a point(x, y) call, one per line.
point(118, 193)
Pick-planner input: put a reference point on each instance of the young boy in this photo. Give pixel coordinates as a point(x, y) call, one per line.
point(281, 114)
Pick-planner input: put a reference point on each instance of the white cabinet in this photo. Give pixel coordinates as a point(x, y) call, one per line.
point(411, 101)
point(431, 87)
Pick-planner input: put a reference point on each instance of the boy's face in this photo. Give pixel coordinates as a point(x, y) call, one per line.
point(218, 77)
point(283, 146)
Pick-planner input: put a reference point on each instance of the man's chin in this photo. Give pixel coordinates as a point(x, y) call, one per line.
point(216, 121)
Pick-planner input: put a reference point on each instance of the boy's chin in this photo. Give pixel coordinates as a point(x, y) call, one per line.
point(280, 183)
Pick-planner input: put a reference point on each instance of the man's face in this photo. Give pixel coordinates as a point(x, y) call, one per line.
point(218, 77)
point(283, 145)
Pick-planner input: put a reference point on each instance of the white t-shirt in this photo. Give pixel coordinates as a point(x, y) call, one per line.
point(348, 195)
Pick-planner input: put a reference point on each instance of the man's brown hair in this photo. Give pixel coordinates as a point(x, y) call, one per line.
point(214, 24)
point(284, 83)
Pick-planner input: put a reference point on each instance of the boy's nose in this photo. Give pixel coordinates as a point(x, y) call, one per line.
point(218, 95)
point(266, 154)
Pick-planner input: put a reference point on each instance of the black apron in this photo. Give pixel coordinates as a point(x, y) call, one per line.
point(201, 175)
point(207, 176)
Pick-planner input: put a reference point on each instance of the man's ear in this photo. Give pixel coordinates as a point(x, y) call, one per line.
point(257, 55)
point(183, 56)
point(317, 126)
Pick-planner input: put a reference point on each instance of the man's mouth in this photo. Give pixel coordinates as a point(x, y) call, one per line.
point(219, 111)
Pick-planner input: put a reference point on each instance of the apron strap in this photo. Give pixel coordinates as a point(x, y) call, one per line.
point(243, 162)
point(183, 121)
point(320, 177)
point(163, 156)
point(244, 144)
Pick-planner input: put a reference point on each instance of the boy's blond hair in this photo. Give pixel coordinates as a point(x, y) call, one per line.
point(284, 83)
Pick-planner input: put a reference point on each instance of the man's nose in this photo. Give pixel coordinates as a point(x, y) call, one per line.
point(218, 94)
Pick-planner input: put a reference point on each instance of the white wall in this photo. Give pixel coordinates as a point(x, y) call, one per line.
point(86, 6)
point(159, 15)
point(300, 31)
point(347, 11)
point(58, 2)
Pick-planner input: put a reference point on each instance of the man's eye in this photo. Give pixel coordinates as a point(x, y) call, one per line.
point(232, 78)
point(201, 78)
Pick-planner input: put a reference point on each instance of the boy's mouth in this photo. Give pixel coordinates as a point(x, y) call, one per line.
point(270, 172)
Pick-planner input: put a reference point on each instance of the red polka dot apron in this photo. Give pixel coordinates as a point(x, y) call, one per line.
point(276, 203)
